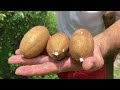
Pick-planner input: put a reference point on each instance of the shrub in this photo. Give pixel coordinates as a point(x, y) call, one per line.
point(13, 25)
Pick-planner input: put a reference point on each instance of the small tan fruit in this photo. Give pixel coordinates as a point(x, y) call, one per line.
point(57, 46)
point(81, 45)
point(34, 41)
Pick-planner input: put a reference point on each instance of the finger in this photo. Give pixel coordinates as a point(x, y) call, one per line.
point(47, 68)
point(88, 63)
point(95, 62)
point(18, 59)
point(92, 63)
point(17, 52)
point(40, 69)
point(99, 61)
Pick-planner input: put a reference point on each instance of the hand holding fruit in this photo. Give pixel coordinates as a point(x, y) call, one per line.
point(43, 64)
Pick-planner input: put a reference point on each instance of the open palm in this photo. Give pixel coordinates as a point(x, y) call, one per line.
point(43, 64)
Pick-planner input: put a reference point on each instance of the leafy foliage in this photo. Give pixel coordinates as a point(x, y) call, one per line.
point(13, 25)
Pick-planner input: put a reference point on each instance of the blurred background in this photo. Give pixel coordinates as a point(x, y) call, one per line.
point(13, 25)
point(116, 64)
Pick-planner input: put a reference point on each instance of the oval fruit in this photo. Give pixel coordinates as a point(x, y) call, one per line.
point(81, 45)
point(34, 41)
point(57, 46)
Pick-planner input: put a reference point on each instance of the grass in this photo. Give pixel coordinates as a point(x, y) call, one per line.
point(117, 67)
point(116, 72)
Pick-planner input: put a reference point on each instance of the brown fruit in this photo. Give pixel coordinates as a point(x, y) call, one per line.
point(81, 45)
point(34, 41)
point(57, 46)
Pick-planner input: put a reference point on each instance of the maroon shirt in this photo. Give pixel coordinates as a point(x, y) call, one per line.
point(99, 74)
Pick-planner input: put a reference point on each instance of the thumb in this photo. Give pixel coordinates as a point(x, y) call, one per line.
point(89, 63)
point(92, 63)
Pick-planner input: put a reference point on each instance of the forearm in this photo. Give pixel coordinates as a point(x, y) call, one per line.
point(109, 40)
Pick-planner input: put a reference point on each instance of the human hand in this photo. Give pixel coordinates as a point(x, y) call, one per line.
point(43, 64)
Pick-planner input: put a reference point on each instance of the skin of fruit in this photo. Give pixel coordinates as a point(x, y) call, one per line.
point(58, 46)
point(34, 41)
point(81, 44)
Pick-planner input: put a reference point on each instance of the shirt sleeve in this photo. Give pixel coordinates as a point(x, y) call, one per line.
point(117, 15)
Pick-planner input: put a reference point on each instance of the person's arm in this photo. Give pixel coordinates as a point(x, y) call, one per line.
point(109, 40)
point(41, 65)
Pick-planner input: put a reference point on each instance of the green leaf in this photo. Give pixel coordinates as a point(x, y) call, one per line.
point(2, 16)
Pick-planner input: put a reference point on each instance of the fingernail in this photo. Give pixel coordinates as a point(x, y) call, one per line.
point(23, 70)
point(90, 66)
point(17, 72)
point(10, 59)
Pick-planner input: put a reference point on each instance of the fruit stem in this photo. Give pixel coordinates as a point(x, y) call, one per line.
point(81, 60)
point(56, 54)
